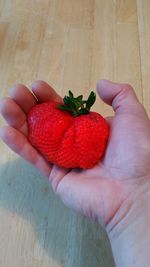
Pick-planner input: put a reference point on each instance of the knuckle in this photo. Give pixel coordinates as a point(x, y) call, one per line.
point(127, 89)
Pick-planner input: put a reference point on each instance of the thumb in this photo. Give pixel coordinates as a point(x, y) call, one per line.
point(121, 96)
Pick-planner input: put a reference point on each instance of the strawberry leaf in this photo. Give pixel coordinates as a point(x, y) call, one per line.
point(71, 94)
point(76, 105)
point(64, 108)
point(66, 100)
point(91, 100)
point(79, 98)
point(80, 112)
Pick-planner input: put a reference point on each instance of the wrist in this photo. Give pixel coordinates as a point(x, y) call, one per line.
point(129, 231)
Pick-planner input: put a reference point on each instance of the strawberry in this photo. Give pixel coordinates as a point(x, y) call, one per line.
point(68, 135)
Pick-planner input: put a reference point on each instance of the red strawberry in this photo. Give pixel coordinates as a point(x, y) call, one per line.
point(68, 135)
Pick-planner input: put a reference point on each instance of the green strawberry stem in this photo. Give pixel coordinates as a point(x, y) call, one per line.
point(76, 105)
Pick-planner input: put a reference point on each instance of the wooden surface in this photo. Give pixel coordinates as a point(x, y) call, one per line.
point(70, 44)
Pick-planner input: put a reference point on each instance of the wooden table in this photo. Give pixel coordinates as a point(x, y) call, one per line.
point(70, 44)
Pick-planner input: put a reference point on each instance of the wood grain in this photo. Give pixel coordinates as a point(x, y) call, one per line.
point(143, 10)
point(70, 44)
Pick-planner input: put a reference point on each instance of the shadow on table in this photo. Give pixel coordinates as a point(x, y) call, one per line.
point(68, 238)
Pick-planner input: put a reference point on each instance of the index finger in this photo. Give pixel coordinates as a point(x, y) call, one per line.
point(44, 92)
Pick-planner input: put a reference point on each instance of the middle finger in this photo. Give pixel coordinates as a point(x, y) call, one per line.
point(14, 115)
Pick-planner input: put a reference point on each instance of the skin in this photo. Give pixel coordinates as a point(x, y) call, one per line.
point(111, 193)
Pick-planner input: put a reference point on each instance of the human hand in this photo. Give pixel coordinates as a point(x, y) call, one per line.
point(98, 192)
point(112, 192)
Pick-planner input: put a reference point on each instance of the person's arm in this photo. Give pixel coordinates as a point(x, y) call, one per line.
point(129, 231)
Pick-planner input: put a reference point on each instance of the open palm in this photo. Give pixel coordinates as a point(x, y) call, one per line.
point(100, 192)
